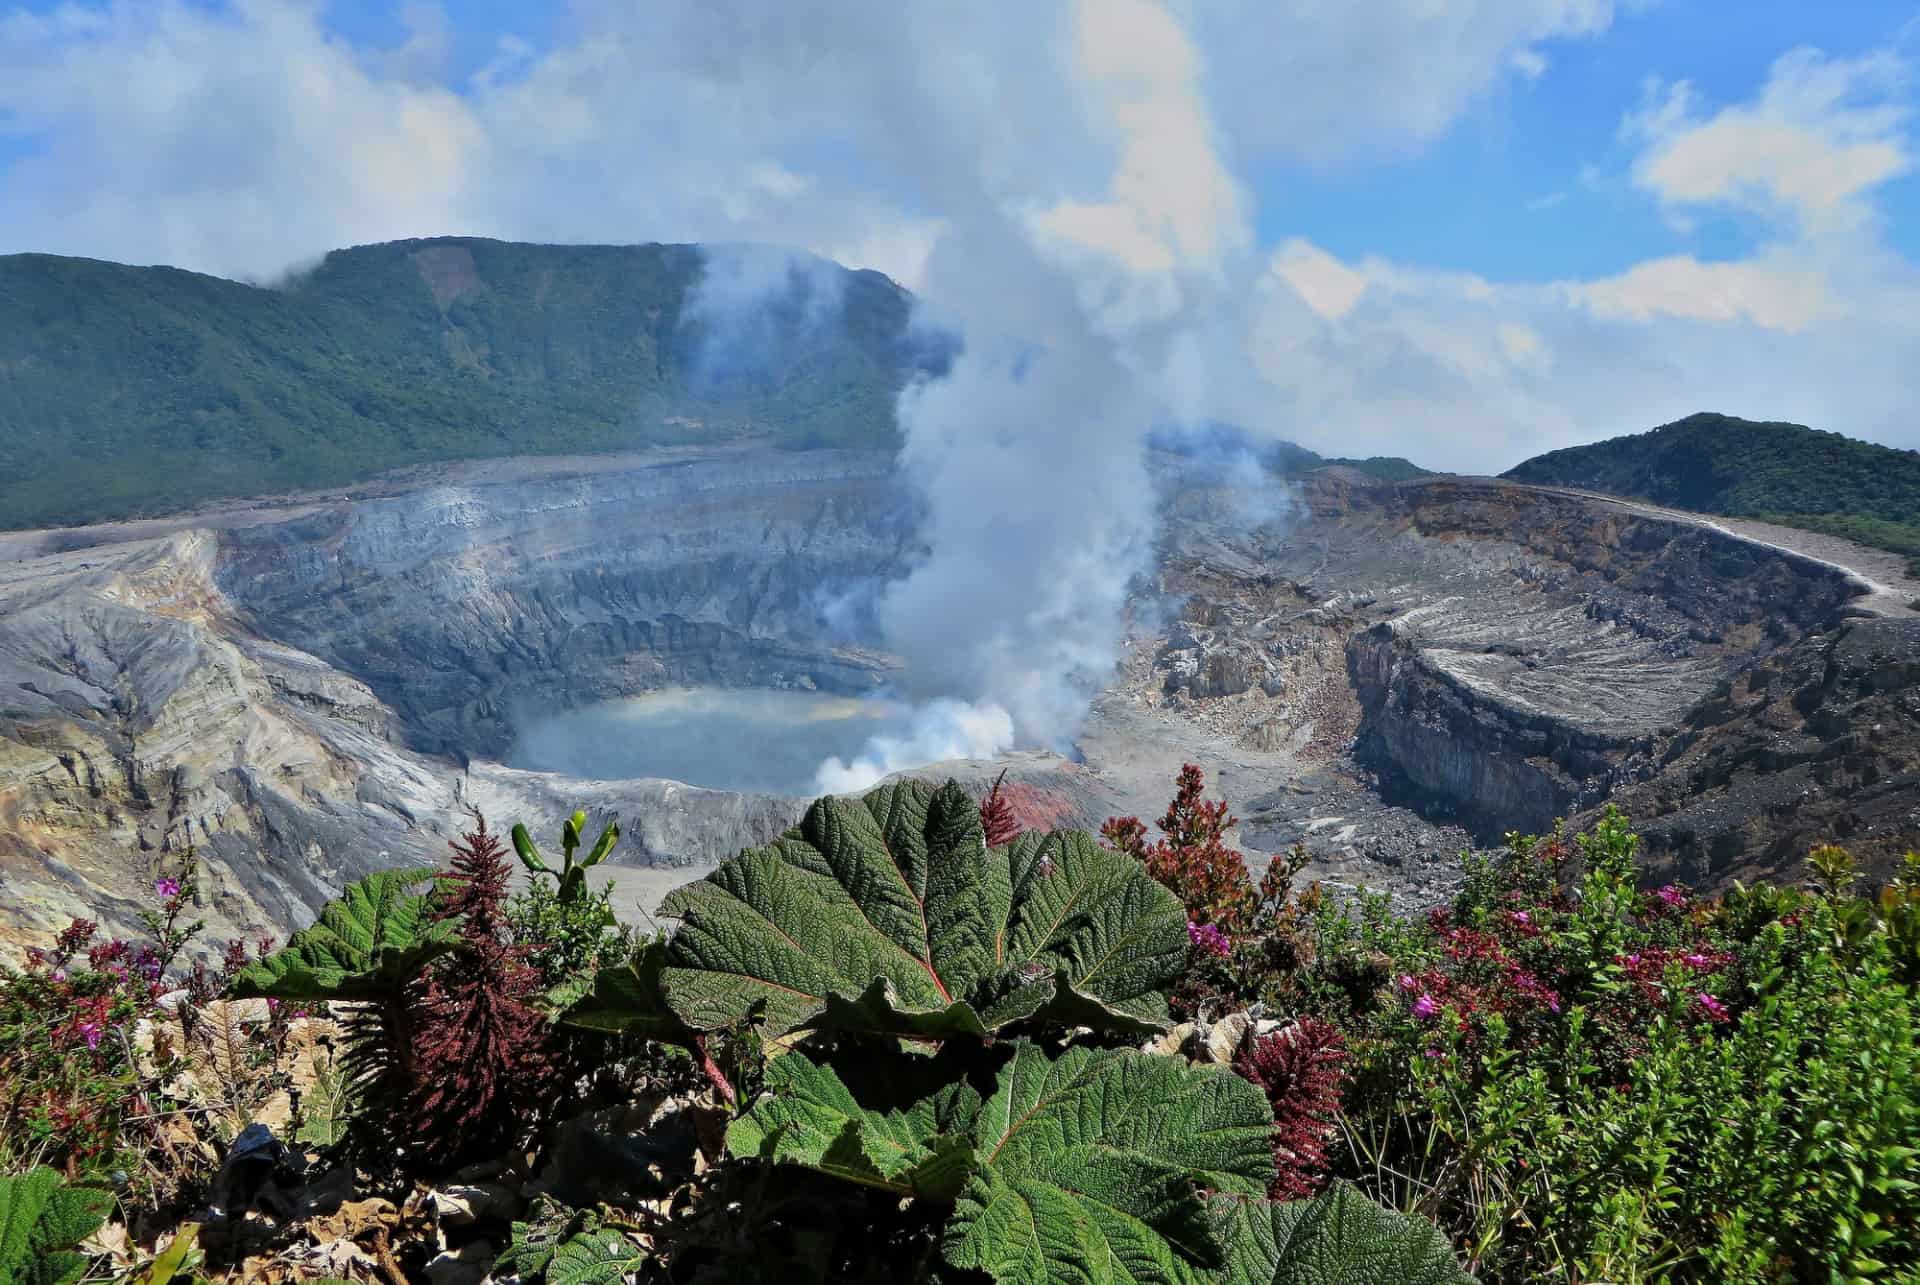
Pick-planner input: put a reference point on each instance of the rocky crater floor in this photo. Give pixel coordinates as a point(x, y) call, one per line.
point(301, 691)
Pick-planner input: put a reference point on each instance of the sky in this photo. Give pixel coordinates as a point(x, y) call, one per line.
point(1460, 231)
point(1463, 231)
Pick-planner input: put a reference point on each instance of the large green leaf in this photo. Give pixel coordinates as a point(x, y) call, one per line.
point(378, 933)
point(1337, 1238)
point(41, 1221)
point(890, 914)
point(603, 1257)
point(1090, 1165)
point(896, 1122)
point(628, 1001)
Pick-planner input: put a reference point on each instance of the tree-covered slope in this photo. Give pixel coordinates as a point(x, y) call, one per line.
point(1785, 473)
point(128, 390)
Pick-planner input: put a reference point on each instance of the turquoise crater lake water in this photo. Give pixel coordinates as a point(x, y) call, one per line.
point(721, 738)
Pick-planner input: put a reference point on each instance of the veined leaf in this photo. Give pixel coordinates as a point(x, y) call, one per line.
point(603, 1257)
point(376, 934)
point(628, 1001)
point(1337, 1238)
point(890, 914)
point(1090, 1165)
point(41, 1220)
point(899, 1123)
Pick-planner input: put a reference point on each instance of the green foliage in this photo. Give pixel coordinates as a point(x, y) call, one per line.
point(895, 1123)
point(628, 1000)
point(193, 388)
point(41, 1221)
point(374, 938)
point(564, 1247)
point(174, 1259)
point(1089, 1164)
point(1338, 1238)
point(570, 880)
point(1612, 1084)
point(603, 1257)
point(889, 914)
point(568, 938)
point(1783, 473)
point(326, 1109)
point(1080, 1166)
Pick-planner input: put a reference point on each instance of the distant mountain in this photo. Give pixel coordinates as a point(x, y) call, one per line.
point(127, 391)
point(1289, 459)
point(1786, 473)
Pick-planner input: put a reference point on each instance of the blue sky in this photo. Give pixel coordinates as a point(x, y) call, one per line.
point(1531, 184)
point(1459, 229)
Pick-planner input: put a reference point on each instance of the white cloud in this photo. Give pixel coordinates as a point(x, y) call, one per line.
point(1820, 136)
point(1332, 83)
point(1329, 286)
point(1779, 291)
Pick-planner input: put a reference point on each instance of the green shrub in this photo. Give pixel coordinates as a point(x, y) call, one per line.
point(42, 1221)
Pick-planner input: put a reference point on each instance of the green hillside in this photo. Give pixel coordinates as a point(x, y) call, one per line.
point(1784, 473)
point(127, 391)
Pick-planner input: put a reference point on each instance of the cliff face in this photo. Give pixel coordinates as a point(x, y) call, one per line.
point(460, 605)
point(1513, 705)
point(307, 693)
point(1513, 655)
point(1819, 743)
point(286, 694)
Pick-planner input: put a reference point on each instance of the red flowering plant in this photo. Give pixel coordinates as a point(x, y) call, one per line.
point(88, 1050)
point(1241, 933)
point(1525, 942)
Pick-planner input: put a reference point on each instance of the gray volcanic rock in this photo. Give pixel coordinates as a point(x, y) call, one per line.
point(459, 604)
point(297, 701)
point(1514, 655)
point(304, 693)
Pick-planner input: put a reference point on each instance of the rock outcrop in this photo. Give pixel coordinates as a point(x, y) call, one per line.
point(302, 697)
point(1518, 655)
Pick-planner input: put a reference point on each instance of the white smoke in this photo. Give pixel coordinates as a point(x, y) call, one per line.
point(1089, 292)
point(940, 730)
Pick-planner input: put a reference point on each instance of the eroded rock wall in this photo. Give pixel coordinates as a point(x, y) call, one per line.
point(461, 605)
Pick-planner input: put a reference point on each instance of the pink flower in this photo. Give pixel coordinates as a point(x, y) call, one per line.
point(1431, 1053)
point(1521, 917)
point(1672, 896)
point(1208, 937)
point(1699, 961)
point(167, 888)
point(59, 974)
point(1424, 1007)
point(91, 1030)
point(1713, 1008)
point(1407, 983)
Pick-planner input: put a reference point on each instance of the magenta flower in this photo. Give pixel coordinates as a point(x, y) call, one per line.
point(1407, 983)
point(1431, 1053)
point(1424, 1007)
point(91, 1030)
point(59, 974)
point(1672, 896)
point(1209, 938)
point(1713, 1008)
point(1521, 917)
point(167, 888)
point(1699, 961)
